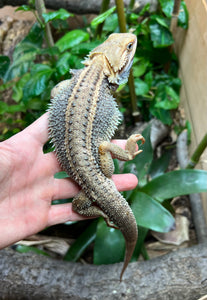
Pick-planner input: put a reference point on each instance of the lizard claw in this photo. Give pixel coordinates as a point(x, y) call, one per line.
point(131, 146)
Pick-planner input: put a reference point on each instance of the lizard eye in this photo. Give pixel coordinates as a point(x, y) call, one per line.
point(129, 46)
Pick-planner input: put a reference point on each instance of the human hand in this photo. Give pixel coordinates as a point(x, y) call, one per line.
point(28, 186)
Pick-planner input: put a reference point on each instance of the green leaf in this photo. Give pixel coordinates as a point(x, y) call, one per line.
point(82, 242)
point(25, 53)
point(160, 35)
point(4, 64)
point(102, 17)
point(62, 64)
point(150, 213)
point(159, 166)
point(18, 88)
point(84, 48)
point(166, 98)
point(61, 175)
point(111, 23)
point(149, 78)
point(71, 39)
point(52, 51)
point(109, 245)
point(142, 233)
point(139, 67)
point(40, 75)
point(23, 8)
point(176, 183)
point(5, 108)
point(25, 249)
point(61, 14)
point(167, 8)
point(34, 38)
point(143, 160)
point(161, 114)
point(160, 20)
point(183, 16)
point(20, 66)
point(141, 87)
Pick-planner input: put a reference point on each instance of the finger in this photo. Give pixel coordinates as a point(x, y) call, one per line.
point(39, 129)
point(121, 143)
point(63, 213)
point(67, 188)
point(125, 182)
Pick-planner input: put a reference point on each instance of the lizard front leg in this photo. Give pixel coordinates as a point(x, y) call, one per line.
point(107, 148)
point(85, 207)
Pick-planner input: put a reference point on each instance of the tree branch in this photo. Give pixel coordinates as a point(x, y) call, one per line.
point(176, 276)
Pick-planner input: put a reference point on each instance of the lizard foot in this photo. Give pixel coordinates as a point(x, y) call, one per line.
point(131, 145)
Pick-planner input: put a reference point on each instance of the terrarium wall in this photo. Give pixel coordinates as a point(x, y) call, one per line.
point(191, 47)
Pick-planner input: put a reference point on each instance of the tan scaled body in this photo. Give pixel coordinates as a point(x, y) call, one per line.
point(82, 119)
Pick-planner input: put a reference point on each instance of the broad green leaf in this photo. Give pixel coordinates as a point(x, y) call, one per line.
point(142, 233)
point(109, 245)
point(151, 214)
point(166, 98)
point(141, 87)
point(84, 48)
point(62, 64)
point(18, 88)
point(82, 242)
point(161, 114)
point(20, 66)
point(176, 183)
point(160, 20)
point(143, 160)
point(111, 23)
point(159, 166)
point(163, 79)
point(4, 64)
point(25, 53)
point(71, 39)
point(61, 14)
point(139, 67)
point(101, 18)
point(40, 75)
point(160, 35)
point(35, 36)
point(167, 7)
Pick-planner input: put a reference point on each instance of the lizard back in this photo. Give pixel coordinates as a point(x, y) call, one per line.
point(83, 114)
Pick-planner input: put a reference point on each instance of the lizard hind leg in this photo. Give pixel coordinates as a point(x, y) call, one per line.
point(106, 149)
point(85, 207)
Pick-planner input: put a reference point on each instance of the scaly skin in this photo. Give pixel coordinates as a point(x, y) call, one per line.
point(83, 117)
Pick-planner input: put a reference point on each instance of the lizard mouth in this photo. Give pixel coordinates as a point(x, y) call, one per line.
point(123, 74)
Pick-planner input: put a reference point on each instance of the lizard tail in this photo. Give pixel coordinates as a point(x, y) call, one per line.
point(130, 245)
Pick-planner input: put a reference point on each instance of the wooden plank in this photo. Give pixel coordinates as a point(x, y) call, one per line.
point(191, 47)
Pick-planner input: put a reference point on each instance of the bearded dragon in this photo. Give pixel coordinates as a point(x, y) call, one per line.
point(83, 117)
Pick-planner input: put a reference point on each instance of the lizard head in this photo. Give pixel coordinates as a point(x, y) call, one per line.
point(117, 53)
